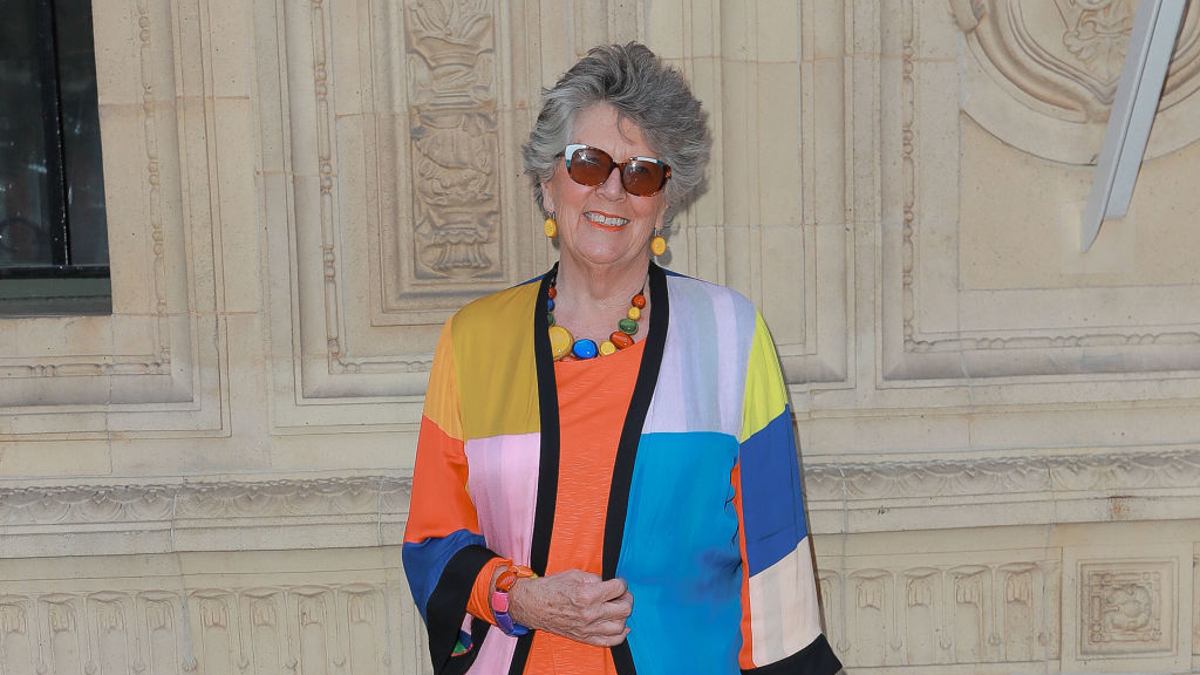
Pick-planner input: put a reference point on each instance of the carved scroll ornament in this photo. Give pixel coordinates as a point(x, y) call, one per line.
point(1059, 62)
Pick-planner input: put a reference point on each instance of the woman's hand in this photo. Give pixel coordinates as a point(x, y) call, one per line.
point(574, 604)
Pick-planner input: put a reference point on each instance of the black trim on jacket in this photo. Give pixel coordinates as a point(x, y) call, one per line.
point(446, 606)
point(815, 659)
point(631, 435)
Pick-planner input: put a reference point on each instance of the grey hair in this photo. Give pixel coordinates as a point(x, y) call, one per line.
point(642, 89)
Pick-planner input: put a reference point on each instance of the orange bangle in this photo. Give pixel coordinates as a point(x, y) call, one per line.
point(509, 577)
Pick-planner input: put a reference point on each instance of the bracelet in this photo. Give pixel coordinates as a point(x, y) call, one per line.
point(504, 584)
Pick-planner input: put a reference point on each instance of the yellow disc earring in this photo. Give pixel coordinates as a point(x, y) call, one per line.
point(658, 245)
point(551, 227)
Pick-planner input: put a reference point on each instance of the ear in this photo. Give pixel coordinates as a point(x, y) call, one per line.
point(547, 198)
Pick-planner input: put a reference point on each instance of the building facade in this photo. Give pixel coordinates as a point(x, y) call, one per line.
point(1000, 434)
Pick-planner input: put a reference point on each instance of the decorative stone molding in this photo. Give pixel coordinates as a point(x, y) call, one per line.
point(1134, 472)
point(227, 501)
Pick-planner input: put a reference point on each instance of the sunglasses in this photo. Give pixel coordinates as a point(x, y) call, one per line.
point(641, 176)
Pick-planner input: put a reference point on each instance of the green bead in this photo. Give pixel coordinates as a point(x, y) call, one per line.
point(627, 326)
point(549, 319)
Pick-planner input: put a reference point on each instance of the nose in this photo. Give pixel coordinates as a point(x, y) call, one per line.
point(612, 187)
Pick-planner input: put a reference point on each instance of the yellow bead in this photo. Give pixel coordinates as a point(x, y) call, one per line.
point(551, 227)
point(560, 342)
point(634, 313)
point(658, 245)
point(607, 347)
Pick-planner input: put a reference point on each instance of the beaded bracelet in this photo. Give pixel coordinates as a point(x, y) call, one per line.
point(504, 584)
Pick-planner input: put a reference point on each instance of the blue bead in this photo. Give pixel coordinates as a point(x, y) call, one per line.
point(550, 304)
point(584, 349)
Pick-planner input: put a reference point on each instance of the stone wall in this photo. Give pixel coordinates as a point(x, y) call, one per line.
point(1000, 438)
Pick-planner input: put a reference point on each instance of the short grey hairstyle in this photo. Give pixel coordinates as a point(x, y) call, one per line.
point(642, 89)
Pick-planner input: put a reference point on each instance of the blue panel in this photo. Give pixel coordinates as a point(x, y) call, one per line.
point(424, 562)
point(771, 501)
point(681, 558)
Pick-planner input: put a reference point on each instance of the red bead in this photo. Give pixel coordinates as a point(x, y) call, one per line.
point(553, 292)
point(621, 340)
point(639, 301)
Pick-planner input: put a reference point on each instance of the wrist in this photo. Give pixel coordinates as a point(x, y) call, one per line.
point(503, 583)
point(518, 597)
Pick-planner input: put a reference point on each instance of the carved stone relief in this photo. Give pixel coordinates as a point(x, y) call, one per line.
point(1127, 608)
point(1196, 607)
point(454, 150)
point(933, 615)
point(338, 627)
point(1060, 61)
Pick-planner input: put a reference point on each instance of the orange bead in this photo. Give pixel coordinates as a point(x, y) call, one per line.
point(620, 339)
point(553, 293)
point(639, 301)
point(658, 246)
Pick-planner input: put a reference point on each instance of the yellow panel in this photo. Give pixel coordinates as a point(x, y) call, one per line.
point(497, 376)
point(766, 396)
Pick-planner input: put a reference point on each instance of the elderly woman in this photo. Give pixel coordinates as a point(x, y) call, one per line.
point(606, 479)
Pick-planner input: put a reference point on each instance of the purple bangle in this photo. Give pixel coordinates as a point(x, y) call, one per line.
point(504, 620)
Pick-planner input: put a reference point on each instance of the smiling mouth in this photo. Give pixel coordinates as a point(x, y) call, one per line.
point(604, 221)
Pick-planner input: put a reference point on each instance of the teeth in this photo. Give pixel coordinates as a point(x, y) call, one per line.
point(603, 220)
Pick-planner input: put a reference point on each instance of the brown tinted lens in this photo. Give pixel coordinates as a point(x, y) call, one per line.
point(642, 178)
point(590, 166)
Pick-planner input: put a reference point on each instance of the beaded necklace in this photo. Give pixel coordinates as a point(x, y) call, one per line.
point(563, 345)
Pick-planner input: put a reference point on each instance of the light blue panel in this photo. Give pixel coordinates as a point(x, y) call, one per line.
point(680, 556)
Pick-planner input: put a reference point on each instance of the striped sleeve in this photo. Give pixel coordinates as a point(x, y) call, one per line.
point(444, 550)
point(781, 629)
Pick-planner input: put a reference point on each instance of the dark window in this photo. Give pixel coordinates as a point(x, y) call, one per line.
point(53, 239)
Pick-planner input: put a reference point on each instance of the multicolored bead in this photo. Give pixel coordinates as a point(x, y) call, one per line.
point(560, 342)
point(621, 340)
point(584, 349)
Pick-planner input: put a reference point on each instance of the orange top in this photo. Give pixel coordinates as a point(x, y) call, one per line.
point(593, 397)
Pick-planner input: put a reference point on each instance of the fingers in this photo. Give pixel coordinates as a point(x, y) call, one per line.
point(575, 604)
point(612, 589)
point(609, 639)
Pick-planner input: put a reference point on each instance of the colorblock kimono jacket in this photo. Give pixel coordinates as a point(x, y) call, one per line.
point(704, 520)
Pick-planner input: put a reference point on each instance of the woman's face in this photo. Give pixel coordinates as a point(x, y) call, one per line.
point(603, 225)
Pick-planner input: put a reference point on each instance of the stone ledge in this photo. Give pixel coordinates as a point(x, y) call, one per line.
point(356, 511)
point(1138, 485)
point(77, 520)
